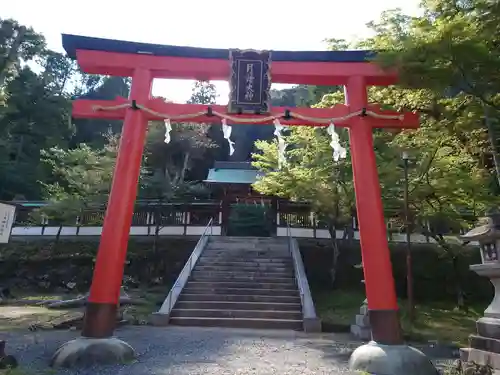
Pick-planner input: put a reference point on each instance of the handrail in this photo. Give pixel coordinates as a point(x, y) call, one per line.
point(311, 322)
point(298, 276)
point(183, 277)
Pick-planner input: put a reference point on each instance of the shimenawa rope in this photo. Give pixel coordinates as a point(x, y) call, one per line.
point(247, 120)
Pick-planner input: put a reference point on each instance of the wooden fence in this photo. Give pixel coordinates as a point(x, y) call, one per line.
point(189, 219)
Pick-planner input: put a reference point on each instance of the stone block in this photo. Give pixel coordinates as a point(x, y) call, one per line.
point(160, 320)
point(484, 343)
point(363, 320)
point(482, 357)
point(488, 327)
point(362, 333)
point(363, 310)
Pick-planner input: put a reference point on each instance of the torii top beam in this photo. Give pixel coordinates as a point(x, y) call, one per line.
point(106, 56)
point(122, 58)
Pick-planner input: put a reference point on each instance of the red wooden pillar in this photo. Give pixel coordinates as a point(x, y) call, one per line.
point(100, 315)
point(379, 281)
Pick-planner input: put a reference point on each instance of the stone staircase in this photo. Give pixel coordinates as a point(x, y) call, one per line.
point(242, 282)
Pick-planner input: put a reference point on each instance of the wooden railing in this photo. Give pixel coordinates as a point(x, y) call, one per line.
point(152, 218)
point(147, 219)
point(304, 223)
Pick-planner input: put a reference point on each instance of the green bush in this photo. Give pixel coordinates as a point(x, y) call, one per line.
point(432, 271)
point(249, 220)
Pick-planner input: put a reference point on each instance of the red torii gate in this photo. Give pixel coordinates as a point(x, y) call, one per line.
point(144, 62)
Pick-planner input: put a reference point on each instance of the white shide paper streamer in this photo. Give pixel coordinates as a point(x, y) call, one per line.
point(278, 128)
point(226, 129)
point(339, 152)
point(168, 129)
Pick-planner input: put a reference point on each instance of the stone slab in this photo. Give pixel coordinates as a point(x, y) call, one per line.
point(488, 327)
point(482, 357)
point(363, 310)
point(362, 333)
point(484, 343)
point(363, 320)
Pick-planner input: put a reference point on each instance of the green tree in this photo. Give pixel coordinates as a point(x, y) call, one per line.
point(311, 175)
point(168, 165)
point(448, 67)
point(18, 44)
point(33, 118)
point(450, 181)
point(450, 52)
point(79, 177)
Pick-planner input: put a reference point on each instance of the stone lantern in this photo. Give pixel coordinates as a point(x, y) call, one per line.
point(485, 344)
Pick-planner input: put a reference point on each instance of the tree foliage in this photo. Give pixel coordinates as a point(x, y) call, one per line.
point(449, 66)
point(452, 172)
point(169, 165)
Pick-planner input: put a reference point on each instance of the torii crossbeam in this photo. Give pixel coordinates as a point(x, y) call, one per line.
point(144, 62)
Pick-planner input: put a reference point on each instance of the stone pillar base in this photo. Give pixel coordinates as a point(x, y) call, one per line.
point(312, 325)
point(375, 358)
point(160, 320)
point(484, 347)
point(361, 329)
point(89, 351)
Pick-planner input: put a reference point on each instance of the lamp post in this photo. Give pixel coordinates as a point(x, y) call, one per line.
point(409, 268)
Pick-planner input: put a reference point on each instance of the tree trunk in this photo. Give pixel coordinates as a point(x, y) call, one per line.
point(457, 279)
point(458, 284)
point(19, 149)
point(335, 252)
point(12, 55)
point(155, 243)
point(493, 141)
point(58, 235)
point(184, 167)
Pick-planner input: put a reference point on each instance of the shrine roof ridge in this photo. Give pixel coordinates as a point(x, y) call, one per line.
point(72, 43)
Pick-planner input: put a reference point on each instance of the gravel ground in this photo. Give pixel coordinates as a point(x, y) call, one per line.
point(190, 350)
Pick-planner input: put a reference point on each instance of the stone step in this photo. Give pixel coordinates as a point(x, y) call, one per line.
point(233, 305)
point(464, 354)
point(239, 298)
point(204, 261)
point(243, 247)
point(243, 268)
point(229, 239)
point(238, 323)
point(227, 277)
point(247, 254)
point(234, 246)
point(208, 289)
point(242, 273)
point(250, 250)
point(241, 282)
point(246, 247)
point(245, 258)
point(484, 343)
point(236, 314)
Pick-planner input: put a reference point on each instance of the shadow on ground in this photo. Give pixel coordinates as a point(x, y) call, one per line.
point(190, 350)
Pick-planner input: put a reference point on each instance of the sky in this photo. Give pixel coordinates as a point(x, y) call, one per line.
point(257, 24)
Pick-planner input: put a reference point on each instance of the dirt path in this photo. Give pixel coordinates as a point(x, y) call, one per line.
point(13, 318)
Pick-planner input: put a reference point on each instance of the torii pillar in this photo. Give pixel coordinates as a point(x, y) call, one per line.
point(379, 281)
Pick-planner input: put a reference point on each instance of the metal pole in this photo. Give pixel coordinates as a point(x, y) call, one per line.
point(409, 268)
